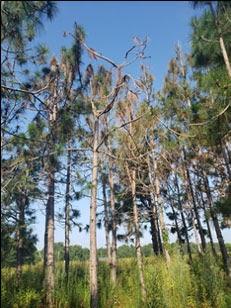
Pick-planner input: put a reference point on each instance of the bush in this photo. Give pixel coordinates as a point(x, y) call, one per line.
point(27, 299)
point(209, 282)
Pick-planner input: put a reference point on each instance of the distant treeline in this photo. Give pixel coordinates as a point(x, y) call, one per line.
point(79, 253)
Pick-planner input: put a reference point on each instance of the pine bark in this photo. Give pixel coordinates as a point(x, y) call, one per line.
point(49, 280)
point(106, 221)
point(208, 225)
point(93, 210)
point(225, 56)
point(113, 216)
point(221, 40)
point(49, 242)
point(183, 220)
point(154, 230)
point(161, 216)
point(176, 224)
point(20, 235)
point(195, 209)
point(67, 215)
point(224, 253)
point(132, 177)
point(226, 159)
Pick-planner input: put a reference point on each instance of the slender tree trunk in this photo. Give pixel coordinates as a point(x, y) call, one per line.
point(226, 146)
point(49, 242)
point(156, 239)
point(196, 235)
point(225, 256)
point(195, 209)
point(227, 161)
point(162, 227)
point(183, 220)
point(93, 210)
point(114, 242)
point(176, 224)
point(225, 56)
point(154, 230)
point(67, 215)
point(221, 40)
point(20, 235)
point(160, 240)
point(132, 177)
point(186, 236)
point(106, 221)
point(49, 264)
point(208, 226)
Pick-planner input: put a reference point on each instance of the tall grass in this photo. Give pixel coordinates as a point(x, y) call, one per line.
point(177, 285)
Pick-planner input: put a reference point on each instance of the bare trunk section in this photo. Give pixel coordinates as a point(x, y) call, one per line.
point(49, 242)
point(49, 279)
point(195, 209)
point(132, 179)
point(225, 56)
point(208, 225)
point(93, 210)
point(183, 220)
point(106, 221)
point(226, 159)
point(114, 242)
point(67, 215)
point(176, 225)
point(20, 235)
point(186, 236)
point(225, 256)
point(196, 235)
point(154, 230)
point(162, 227)
point(160, 240)
point(221, 41)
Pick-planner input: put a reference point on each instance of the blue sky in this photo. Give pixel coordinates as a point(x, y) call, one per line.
point(110, 27)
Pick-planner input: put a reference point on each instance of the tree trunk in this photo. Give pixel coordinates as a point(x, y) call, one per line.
point(160, 240)
point(183, 220)
point(225, 56)
point(49, 279)
point(113, 244)
point(132, 177)
point(49, 242)
point(93, 210)
point(154, 230)
point(186, 236)
point(196, 234)
point(226, 159)
point(221, 41)
point(106, 221)
point(162, 228)
point(225, 256)
point(20, 235)
point(195, 209)
point(176, 224)
point(67, 215)
point(156, 238)
point(208, 226)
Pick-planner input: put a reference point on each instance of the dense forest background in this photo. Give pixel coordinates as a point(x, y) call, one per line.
point(148, 160)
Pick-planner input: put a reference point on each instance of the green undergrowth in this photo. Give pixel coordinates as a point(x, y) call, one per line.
point(202, 285)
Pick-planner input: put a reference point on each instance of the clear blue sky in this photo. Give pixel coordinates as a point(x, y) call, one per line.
point(110, 26)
